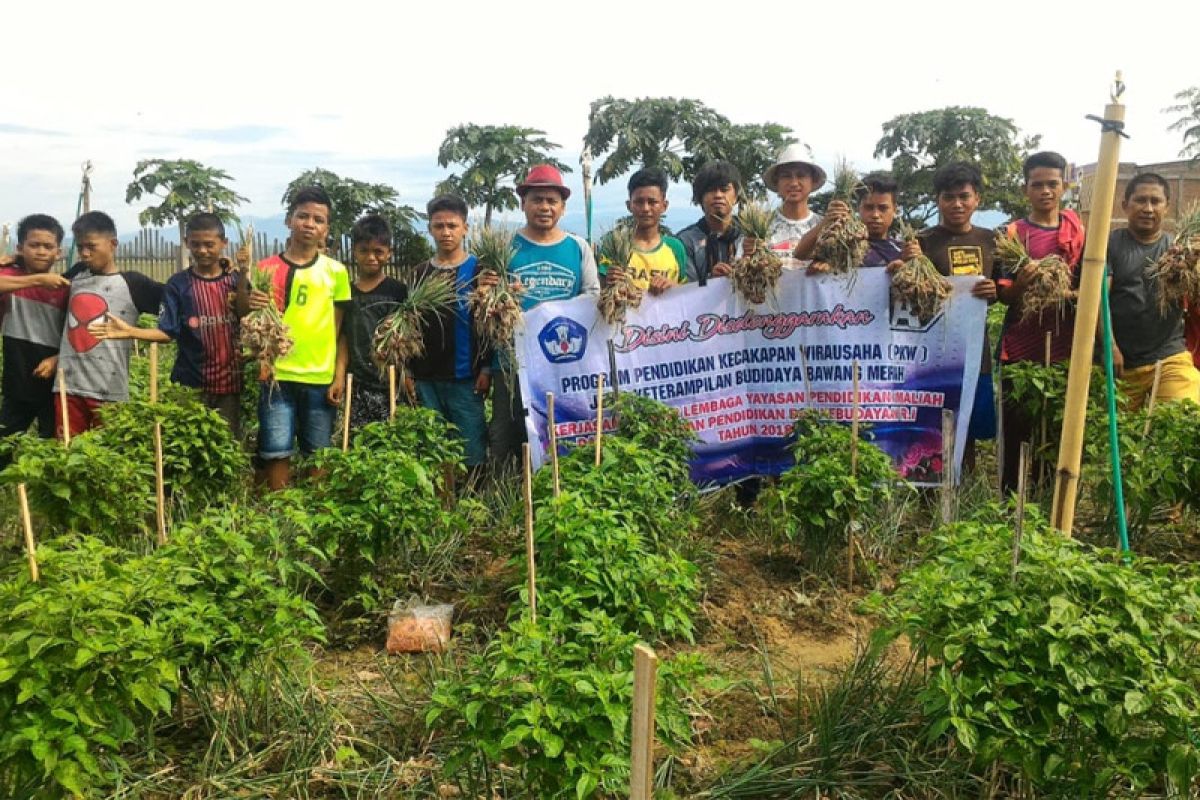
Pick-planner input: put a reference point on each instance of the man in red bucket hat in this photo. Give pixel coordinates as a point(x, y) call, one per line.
point(550, 264)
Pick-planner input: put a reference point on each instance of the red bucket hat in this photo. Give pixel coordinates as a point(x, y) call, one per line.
point(543, 176)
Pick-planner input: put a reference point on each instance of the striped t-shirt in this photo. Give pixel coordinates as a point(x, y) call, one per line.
point(197, 314)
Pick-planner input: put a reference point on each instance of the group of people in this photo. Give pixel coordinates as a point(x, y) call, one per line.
point(75, 330)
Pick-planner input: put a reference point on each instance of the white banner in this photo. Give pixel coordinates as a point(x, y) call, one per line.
point(740, 372)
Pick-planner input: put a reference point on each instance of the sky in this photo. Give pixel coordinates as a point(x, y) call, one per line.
point(265, 90)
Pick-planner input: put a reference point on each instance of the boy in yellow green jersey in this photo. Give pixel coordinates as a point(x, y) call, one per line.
point(659, 261)
point(312, 291)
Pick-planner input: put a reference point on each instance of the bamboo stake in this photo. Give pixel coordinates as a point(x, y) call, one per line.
point(1022, 488)
point(947, 466)
point(854, 423)
point(346, 412)
point(448, 485)
point(1087, 311)
point(999, 424)
point(391, 392)
point(850, 538)
point(641, 773)
point(552, 425)
point(154, 372)
point(1150, 403)
point(1045, 415)
point(614, 378)
point(27, 524)
point(599, 416)
point(530, 561)
point(62, 401)
point(160, 495)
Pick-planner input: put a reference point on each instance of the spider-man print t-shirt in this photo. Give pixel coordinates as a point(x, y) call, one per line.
point(92, 368)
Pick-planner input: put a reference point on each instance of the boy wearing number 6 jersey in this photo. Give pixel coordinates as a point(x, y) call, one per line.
point(312, 291)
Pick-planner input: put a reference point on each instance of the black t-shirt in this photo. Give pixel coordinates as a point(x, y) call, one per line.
point(970, 253)
point(1144, 334)
point(367, 310)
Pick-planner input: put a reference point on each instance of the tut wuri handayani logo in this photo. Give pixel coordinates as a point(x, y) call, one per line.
point(563, 340)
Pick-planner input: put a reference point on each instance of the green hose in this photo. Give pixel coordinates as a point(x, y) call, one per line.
point(1114, 445)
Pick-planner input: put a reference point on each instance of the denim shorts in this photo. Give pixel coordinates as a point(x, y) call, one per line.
point(288, 409)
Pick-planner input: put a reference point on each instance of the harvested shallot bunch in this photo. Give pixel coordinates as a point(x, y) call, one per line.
point(399, 337)
point(619, 294)
point(757, 270)
point(842, 244)
point(1050, 287)
point(1177, 271)
point(918, 284)
point(264, 335)
point(495, 310)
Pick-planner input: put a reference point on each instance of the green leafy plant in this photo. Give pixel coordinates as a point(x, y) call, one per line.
point(103, 484)
point(1159, 470)
point(550, 700)
point(1041, 391)
point(98, 649)
point(420, 432)
point(202, 462)
point(83, 666)
point(85, 488)
point(816, 501)
point(379, 517)
point(645, 488)
point(593, 559)
point(1081, 672)
point(652, 424)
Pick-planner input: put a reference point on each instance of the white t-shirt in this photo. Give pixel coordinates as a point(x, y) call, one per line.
point(787, 233)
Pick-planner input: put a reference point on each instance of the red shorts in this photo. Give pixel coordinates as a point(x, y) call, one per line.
point(81, 414)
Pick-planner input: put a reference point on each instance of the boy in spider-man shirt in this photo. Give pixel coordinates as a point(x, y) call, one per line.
point(97, 372)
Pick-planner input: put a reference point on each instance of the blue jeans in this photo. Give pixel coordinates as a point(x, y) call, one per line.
point(287, 409)
point(458, 403)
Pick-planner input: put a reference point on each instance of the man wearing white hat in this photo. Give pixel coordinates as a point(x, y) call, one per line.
point(793, 177)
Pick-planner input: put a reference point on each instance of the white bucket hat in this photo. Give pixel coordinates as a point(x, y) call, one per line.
point(793, 154)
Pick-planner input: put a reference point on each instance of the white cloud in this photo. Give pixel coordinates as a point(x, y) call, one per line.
point(369, 89)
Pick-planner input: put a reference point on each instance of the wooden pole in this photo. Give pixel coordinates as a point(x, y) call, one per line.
point(1150, 403)
point(62, 403)
point(391, 392)
point(999, 424)
point(154, 372)
point(1045, 440)
point(552, 426)
point(1087, 314)
point(346, 412)
point(947, 466)
point(27, 523)
point(850, 539)
point(641, 772)
point(599, 416)
point(854, 423)
point(613, 378)
point(530, 561)
point(1019, 525)
point(160, 495)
